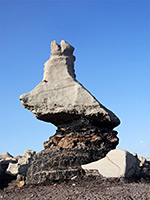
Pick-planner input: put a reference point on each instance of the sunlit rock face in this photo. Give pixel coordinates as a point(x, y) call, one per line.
point(84, 126)
point(60, 98)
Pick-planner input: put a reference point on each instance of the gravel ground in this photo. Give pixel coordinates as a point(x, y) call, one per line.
point(81, 190)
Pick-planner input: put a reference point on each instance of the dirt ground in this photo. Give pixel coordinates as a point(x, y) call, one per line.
point(85, 189)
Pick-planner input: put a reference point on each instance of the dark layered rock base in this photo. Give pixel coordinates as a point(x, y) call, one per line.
point(74, 144)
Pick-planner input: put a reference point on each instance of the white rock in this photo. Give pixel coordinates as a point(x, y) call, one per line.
point(5, 156)
point(142, 160)
point(21, 166)
point(135, 155)
point(74, 177)
point(13, 169)
point(29, 153)
point(5, 159)
point(60, 98)
point(117, 163)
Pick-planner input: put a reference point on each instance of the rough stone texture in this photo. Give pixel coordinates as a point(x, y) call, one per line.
point(119, 163)
point(83, 134)
point(22, 164)
point(6, 156)
point(60, 98)
point(82, 189)
point(85, 127)
point(5, 160)
point(14, 168)
point(144, 166)
point(68, 156)
point(69, 148)
point(54, 165)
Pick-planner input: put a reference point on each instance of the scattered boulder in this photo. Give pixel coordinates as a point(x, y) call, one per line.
point(84, 126)
point(6, 156)
point(5, 160)
point(22, 164)
point(144, 166)
point(14, 168)
point(119, 163)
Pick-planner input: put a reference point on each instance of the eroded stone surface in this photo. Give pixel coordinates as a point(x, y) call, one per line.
point(84, 126)
point(13, 169)
point(83, 133)
point(60, 98)
point(6, 156)
point(22, 164)
point(117, 163)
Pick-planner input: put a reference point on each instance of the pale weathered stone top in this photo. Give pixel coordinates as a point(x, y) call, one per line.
point(60, 98)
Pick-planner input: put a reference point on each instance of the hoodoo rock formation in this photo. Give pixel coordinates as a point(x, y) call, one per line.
point(84, 126)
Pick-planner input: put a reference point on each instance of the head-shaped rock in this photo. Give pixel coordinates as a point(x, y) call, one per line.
point(60, 98)
point(63, 49)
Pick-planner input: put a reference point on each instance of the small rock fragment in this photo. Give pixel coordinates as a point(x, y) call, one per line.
point(21, 184)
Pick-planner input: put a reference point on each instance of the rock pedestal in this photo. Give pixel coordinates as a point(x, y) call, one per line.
point(84, 126)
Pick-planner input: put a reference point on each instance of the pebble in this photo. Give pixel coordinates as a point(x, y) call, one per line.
point(90, 190)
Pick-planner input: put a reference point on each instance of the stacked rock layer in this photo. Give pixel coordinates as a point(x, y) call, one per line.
point(84, 126)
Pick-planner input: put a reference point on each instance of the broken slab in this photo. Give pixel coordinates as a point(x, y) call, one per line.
point(117, 163)
point(21, 166)
point(13, 169)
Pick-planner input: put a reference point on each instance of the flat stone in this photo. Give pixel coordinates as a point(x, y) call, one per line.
point(117, 163)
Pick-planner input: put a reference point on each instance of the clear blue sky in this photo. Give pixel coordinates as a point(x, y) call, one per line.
point(112, 49)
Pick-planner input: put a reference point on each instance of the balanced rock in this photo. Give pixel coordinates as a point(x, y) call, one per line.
point(84, 126)
point(60, 98)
